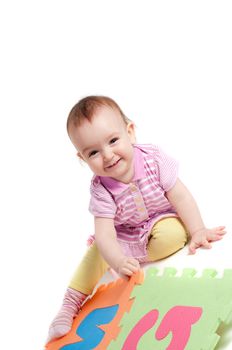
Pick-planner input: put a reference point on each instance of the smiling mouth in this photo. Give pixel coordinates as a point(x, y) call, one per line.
point(113, 165)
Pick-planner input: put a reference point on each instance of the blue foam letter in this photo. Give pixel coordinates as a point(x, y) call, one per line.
point(88, 330)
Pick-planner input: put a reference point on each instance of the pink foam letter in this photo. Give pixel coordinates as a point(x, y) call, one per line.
point(140, 329)
point(178, 320)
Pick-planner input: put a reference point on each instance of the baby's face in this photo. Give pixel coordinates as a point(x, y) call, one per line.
point(105, 144)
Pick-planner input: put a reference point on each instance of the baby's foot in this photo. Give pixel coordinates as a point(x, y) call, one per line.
point(62, 323)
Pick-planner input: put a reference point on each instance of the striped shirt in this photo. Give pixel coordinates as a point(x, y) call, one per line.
point(137, 206)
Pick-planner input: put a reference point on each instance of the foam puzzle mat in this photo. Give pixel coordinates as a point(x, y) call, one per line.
point(161, 310)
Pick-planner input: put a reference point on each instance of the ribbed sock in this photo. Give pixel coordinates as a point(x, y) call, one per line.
point(62, 323)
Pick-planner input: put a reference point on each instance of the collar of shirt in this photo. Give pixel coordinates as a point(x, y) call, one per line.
point(117, 187)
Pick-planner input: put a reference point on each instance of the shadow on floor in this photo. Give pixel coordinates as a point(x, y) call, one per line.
point(225, 332)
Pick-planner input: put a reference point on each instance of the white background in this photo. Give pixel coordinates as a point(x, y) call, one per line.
point(168, 65)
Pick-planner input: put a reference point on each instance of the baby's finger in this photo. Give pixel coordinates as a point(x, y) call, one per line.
point(219, 229)
point(132, 269)
point(192, 248)
point(127, 272)
point(133, 262)
point(215, 237)
point(221, 232)
point(206, 244)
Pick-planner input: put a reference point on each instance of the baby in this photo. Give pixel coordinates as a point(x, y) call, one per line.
point(142, 210)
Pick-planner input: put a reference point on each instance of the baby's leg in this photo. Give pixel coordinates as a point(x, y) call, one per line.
point(86, 276)
point(167, 237)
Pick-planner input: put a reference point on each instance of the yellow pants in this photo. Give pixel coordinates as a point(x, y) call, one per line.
point(166, 237)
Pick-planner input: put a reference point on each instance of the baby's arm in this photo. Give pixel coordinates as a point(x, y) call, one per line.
point(187, 209)
point(109, 248)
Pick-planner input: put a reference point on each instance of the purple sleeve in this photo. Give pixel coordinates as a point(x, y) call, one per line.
point(167, 169)
point(101, 202)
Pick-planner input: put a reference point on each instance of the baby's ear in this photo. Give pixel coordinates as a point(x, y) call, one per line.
point(131, 132)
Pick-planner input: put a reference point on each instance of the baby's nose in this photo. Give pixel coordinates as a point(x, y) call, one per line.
point(108, 155)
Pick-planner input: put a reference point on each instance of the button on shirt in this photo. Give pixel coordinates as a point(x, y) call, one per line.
point(137, 206)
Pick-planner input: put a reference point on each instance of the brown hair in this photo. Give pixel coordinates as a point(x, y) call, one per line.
point(87, 107)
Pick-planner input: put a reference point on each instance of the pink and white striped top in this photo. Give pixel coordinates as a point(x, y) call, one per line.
point(137, 206)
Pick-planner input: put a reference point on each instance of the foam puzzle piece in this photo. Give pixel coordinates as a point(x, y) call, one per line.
point(187, 311)
point(166, 311)
point(91, 331)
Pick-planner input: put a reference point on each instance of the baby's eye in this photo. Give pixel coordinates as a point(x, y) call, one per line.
point(92, 153)
point(114, 140)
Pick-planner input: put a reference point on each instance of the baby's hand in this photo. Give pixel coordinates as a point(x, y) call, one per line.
point(202, 238)
point(128, 266)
